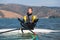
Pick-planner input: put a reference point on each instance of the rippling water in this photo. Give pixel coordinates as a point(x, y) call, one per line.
point(43, 23)
point(15, 36)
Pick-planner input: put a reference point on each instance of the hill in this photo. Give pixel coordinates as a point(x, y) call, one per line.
point(41, 11)
point(8, 14)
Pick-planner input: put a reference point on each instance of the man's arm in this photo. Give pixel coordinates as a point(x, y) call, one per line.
point(36, 20)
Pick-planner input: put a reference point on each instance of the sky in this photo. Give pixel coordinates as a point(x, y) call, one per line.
point(33, 2)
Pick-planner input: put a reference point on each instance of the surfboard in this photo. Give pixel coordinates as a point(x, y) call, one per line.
point(26, 31)
point(25, 36)
point(31, 36)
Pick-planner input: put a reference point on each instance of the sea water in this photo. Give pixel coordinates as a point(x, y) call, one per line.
point(16, 36)
point(43, 23)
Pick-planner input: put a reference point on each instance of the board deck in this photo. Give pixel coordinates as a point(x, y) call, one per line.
point(26, 31)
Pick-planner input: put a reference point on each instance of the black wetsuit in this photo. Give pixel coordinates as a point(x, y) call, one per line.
point(29, 21)
point(28, 24)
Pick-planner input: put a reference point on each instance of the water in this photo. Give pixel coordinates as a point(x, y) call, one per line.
point(15, 36)
point(43, 23)
point(9, 23)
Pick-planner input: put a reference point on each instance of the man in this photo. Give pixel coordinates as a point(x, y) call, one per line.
point(29, 21)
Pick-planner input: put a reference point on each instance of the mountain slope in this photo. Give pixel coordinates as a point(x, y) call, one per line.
point(42, 11)
point(9, 14)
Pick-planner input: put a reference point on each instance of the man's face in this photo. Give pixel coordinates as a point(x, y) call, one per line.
point(30, 11)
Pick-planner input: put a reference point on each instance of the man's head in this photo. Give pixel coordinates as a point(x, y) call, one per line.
point(30, 10)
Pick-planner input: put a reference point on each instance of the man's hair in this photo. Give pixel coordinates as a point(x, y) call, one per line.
point(30, 8)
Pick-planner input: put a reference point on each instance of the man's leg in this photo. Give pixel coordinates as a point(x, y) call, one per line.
point(33, 25)
point(22, 30)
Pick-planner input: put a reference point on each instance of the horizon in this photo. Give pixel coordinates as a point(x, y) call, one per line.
point(29, 5)
point(49, 3)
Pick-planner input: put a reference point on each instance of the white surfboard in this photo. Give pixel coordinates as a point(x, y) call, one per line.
point(35, 30)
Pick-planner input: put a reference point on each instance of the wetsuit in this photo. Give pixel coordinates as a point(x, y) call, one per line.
point(28, 25)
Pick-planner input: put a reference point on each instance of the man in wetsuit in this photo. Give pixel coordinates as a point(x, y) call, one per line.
point(29, 21)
